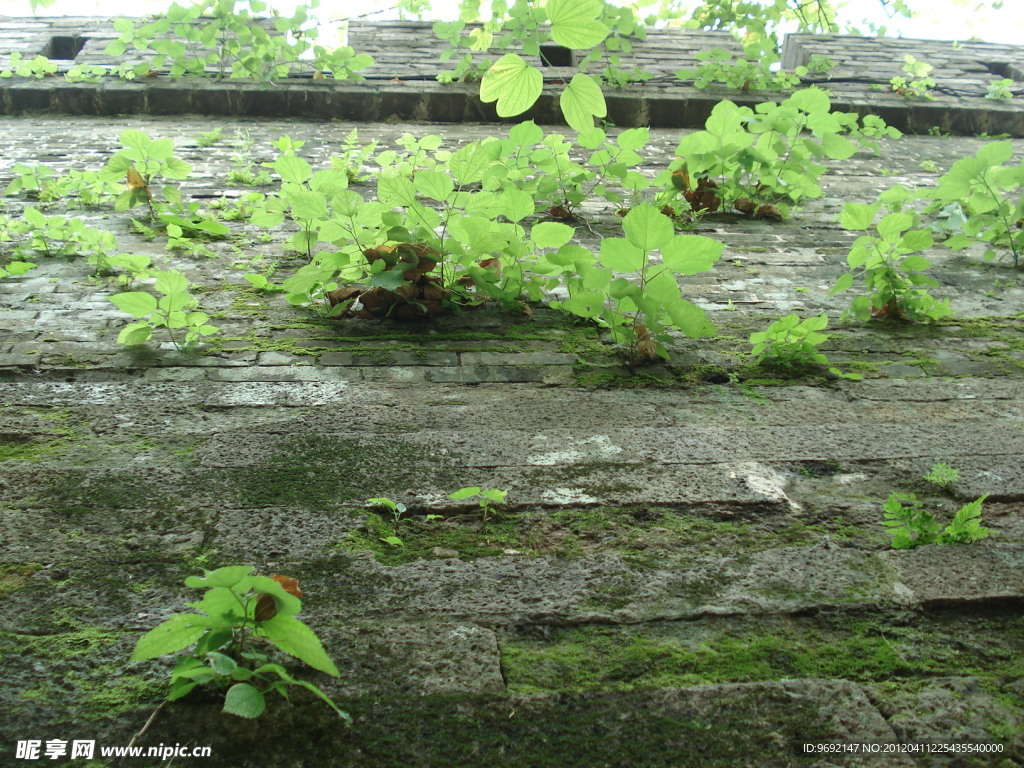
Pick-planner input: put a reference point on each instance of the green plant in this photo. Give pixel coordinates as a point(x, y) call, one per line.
point(752, 71)
point(759, 160)
point(989, 200)
point(514, 83)
point(239, 615)
point(911, 525)
point(794, 342)
point(915, 82)
point(488, 499)
point(890, 262)
point(13, 268)
point(353, 157)
point(227, 38)
point(942, 474)
point(37, 67)
point(210, 138)
point(999, 89)
point(243, 168)
point(59, 236)
point(396, 509)
point(142, 161)
point(173, 311)
point(638, 312)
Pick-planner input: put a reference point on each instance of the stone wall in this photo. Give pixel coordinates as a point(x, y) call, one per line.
point(691, 571)
point(401, 85)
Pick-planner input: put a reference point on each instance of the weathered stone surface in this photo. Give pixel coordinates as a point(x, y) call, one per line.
point(712, 521)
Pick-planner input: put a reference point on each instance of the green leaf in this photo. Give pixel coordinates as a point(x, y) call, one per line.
point(916, 240)
point(812, 100)
point(170, 282)
point(284, 601)
point(857, 216)
point(227, 576)
point(838, 147)
point(307, 205)
point(646, 227)
point(575, 23)
point(221, 663)
point(691, 254)
point(513, 83)
point(434, 185)
point(292, 169)
point(551, 234)
point(633, 138)
point(691, 320)
point(621, 255)
point(396, 190)
point(894, 224)
point(517, 204)
point(465, 493)
point(996, 153)
point(138, 332)
point(296, 639)
point(469, 163)
point(581, 100)
point(135, 139)
point(244, 700)
point(135, 303)
point(178, 632)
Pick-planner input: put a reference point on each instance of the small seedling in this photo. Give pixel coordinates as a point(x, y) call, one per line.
point(911, 525)
point(397, 509)
point(942, 475)
point(487, 498)
point(209, 138)
point(999, 89)
point(236, 617)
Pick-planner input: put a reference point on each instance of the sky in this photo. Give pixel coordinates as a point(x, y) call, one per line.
point(938, 19)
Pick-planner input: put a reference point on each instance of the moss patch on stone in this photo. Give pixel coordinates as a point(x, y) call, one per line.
point(870, 647)
point(645, 537)
point(15, 576)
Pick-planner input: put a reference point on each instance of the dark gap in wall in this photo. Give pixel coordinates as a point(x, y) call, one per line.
point(64, 47)
point(1005, 69)
point(557, 56)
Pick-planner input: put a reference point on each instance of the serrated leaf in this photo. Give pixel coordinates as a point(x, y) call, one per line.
point(228, 576)
point(857, 216)
point(244, 700)
point(551, 234)
point(396, 190)
point(647, 228)
point(296, 639)
point(838, 147)
point(581, 100)
point(691, 254)
point(292, 169)
point(434, 185)
point(620, 255)
point(178, 632)
point(513, 83)
point(135, 303)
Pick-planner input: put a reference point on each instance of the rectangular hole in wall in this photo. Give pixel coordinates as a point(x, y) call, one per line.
point(557, 56)
point(63, 47)
point(1005, 69)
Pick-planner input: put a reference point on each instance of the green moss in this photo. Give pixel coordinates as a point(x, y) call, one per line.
point(873, 647)
point(470, 537)
point(62, 430)
point(95, 686)
point(318, 471)
point(14, 576)
point(645, 537)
